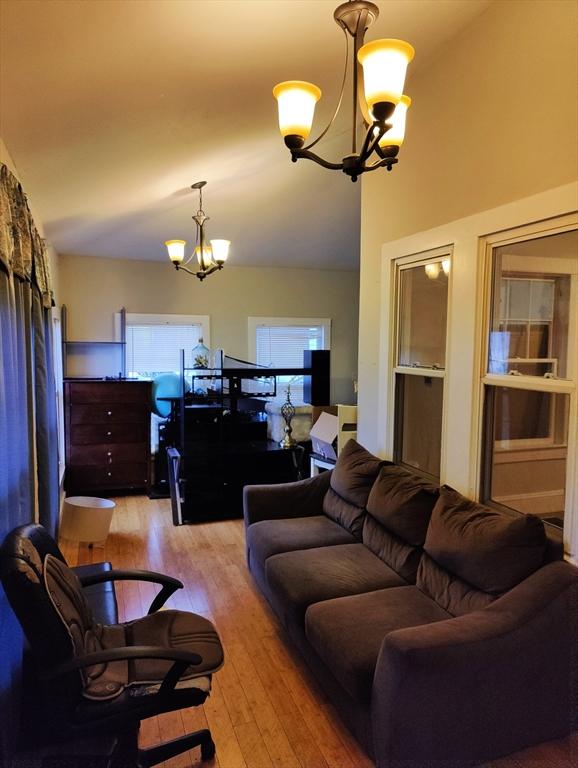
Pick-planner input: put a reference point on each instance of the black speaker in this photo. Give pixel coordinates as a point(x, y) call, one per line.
point(316, 387)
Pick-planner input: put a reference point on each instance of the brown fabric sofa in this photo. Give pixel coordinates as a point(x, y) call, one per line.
point(445, 632)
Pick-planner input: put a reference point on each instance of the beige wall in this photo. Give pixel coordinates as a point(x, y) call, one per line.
point(93, 289)
point(493, 119)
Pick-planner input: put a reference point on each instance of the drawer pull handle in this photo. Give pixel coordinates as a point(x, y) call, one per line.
point(109, 433)
point(109, 474)
point(109, 453)
point(109, 413)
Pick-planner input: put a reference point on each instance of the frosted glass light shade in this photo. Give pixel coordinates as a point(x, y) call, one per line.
point(394, 137)
point(296, 102)
point(176, 249)
point(446, 266)
point(220, 250)
point(384, 65)
point(433, 270)
point(205, 258)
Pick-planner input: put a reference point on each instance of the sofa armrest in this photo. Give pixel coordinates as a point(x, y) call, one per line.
point(484, 684)
point(274, 502)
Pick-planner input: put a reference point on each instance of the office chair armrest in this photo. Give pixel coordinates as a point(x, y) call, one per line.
point(182, 659)
point(169, 584)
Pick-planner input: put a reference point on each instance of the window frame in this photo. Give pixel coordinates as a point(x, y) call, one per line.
point(400, 265)
point(488, 382)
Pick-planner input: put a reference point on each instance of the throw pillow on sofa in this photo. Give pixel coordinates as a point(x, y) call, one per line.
point(350, 484)
point(474, 553)
point(399, 508)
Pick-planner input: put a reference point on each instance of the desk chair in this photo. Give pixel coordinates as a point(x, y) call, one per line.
point(105, 678)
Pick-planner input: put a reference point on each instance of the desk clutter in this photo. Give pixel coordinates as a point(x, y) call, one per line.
point(220, 437)
point(226, 427)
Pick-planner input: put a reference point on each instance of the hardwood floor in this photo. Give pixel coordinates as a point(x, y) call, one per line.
point(265, 709)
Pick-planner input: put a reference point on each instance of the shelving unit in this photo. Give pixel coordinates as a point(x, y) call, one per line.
point(227, 388)
point(218, 438)
point(69, 345)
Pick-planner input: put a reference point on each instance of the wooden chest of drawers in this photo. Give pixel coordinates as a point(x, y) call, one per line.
point(107, 427)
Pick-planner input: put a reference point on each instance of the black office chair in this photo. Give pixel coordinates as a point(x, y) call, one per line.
point(105, 678)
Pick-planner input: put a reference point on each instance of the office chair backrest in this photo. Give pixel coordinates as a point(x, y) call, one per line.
point(21, 570)
point(41, 540)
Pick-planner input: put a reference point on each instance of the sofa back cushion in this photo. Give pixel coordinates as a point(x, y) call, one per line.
point(349, 487)
point(450, 592)
point(473, 549)
point(399, 508)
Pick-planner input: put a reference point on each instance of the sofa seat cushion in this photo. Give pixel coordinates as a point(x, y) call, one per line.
point(298, 579)
point(271, 537)
point(349, 486)
point(347, 633)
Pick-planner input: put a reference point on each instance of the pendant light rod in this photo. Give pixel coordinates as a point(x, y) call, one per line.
point(356, 17)
point(341, 92)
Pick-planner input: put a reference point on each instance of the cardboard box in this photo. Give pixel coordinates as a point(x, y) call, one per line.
point(339, 424)
point(317, 410)
point(324, 435)
point(346, 426)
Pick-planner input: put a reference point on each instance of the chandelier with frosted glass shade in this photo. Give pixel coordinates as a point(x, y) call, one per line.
point(211, 255)
point(379, 69)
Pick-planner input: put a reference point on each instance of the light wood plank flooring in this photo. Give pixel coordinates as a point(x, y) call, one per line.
point(265, 710)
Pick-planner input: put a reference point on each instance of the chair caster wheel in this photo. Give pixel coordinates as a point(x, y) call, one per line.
point(208, 750)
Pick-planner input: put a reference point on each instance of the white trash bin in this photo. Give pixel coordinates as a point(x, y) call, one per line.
point(86, 518)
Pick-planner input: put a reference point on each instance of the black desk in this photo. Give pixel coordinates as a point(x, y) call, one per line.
point(218, 453)
point(211, 481)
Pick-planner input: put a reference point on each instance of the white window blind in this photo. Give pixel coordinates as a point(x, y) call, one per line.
point(282, 347)
point(155, 348)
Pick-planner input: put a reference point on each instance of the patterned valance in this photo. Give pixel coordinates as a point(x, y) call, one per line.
point(22, 250)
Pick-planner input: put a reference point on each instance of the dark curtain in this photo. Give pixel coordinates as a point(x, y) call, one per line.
point(28, 429)
point(46, 419)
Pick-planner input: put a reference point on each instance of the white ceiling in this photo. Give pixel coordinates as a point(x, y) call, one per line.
point(111, 109)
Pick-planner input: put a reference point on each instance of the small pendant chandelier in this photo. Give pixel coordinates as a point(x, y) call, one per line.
point(379, 69)
point(211, 255)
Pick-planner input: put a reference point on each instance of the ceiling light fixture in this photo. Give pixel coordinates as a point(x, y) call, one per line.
point(211, 255)
point(435, 268)
point(379, 69)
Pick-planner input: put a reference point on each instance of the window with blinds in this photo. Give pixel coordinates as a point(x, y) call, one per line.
point(154, 347)
point(281, 346)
